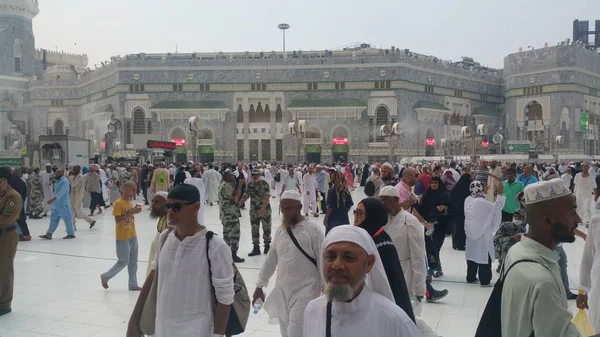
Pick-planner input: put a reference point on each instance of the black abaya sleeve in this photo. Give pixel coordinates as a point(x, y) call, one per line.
point(395, 275)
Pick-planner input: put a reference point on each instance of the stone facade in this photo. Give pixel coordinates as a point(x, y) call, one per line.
point(247, 100)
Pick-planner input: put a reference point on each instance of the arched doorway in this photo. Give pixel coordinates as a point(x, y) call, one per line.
point(313, 145)
point(179, 136)
point(206, 148)
point(340, 141)
point(381, 118)
point(429, 143)
point(139, 122)
point(534, 128)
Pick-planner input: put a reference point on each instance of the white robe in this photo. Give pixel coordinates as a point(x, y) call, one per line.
point(47, 188)
point(103, 179)
point(589, 272)
point(268, 177)
point(584, 187)
point(369, 314)
point(309, 184)
point(212, 179)
point(283, 174)
point(298, 279)
point(184, 298)
point(482, 220)
point(199, 184)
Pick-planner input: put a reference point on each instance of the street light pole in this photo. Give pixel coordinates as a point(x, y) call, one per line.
point(283, 27)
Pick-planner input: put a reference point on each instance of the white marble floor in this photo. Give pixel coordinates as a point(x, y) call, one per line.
point(58, 291)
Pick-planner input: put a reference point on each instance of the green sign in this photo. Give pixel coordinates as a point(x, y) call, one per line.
point(313, 148)
point(181, 150)
point(206, 149)
point(584, 121)
point(521, 148)
point(340, 149)
point(11, 162)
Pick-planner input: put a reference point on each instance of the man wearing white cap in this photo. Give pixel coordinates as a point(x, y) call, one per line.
point(358, 300)
point(47, 187)
point(296, 248)
point(534, 300)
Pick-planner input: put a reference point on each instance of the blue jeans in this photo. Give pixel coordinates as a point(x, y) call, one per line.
point(562, 263)
point(66, 216)
point(127, 255)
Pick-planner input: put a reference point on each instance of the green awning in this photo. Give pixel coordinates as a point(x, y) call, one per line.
point(430, 105)
point(105, 108)
point(326, 103)
point(484, 111)
point(189, 105)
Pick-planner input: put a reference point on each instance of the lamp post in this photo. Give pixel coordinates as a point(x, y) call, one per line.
point(283, 27)
point(298, 130)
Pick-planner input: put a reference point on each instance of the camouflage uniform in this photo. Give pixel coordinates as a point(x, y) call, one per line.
point(35, 194)
point(257, 191)
point(229, 213)
point(502, 240)
point(10, 209)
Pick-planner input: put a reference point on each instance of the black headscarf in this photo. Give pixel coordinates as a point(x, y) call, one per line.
point(375, 219)
point(460, 192)
point(433, 198)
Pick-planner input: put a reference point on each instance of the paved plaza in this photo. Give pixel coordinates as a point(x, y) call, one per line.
point(58, 291)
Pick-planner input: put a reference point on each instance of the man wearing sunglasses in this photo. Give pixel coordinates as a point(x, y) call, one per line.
point(10, 209)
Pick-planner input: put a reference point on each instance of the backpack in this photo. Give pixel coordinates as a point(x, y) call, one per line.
point(240, 308)
point(277, 177)
point(490, 324)
point(370, 188)
point(419, 188)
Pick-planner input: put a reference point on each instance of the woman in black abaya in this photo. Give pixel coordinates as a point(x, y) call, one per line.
point(365, 175)
point(459, 194)
point(371, 216)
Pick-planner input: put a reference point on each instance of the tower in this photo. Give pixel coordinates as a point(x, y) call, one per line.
point(17, 43)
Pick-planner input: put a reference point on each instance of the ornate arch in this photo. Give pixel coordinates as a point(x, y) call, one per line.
point(335, 128)
point(58, 126)
point(176, 132)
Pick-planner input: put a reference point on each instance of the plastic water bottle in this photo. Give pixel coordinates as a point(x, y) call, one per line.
point(258, 304)
point(430, 230)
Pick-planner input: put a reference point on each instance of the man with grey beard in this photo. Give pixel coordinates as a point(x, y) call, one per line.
point(351, 305)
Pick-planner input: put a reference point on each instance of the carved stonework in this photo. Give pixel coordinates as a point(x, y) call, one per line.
point(11, 101)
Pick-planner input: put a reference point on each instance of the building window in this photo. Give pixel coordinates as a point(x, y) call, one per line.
point(149, 127)
point(136, 88)
point(381, 118)
point(265, 144)
point(252, 114)
point(429, 89)
point(258, 87)
point(17, 54)
point(139, 124)
point(279, 149)
point(340, 85)
point(57, 102)
point(240, 114)
point(128, 132)
point(278, 115)
point(240, 149)
point(177, 87)
point(104, 93)
point(204, 87)
point(59, 127)
point(313, 86)
point(383, 84)
point(458, 93)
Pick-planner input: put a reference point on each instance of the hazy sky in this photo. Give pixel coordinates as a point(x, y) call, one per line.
point(486, 30)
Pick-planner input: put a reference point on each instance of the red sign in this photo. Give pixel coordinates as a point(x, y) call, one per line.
point(430, 142)
point(157, 144)
point(178, 141)
point(340, 141)
point(102, 145)
point(485, 143)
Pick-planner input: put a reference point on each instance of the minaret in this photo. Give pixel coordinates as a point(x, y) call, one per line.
point(16, 37)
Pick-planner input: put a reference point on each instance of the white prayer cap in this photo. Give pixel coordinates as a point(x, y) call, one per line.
point(161, 194)
point(376, 279)
point(545, 190)
point(48, 165)
point(291, 195)
point(388, 165)
point(389, 191)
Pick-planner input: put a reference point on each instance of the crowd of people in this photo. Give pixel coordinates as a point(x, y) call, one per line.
point(332, 274)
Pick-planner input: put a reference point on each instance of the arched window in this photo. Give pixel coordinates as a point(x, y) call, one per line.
point(340, 132)
point(381, 118)
point(139, 124)
point(205, 134)
point(313, 133)
point(267, 115)
point(59, 127)
point(240, 114)
point(533, 111)
point(252, 114)
point(17, 55)
point(278, 114)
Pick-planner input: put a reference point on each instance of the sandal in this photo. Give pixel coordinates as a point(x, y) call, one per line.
point(46, 236)
point(438, 273)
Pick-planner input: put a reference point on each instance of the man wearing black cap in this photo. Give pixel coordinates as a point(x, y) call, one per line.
point(10, 209)
point(185, 287)
point(260, 211)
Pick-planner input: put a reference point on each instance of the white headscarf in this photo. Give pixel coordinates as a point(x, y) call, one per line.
point(376, 279)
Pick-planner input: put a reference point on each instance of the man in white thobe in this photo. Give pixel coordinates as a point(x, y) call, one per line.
point(199, 184)
point(309, 192)
point(494, 177)
point(283, 174)
point(47, 176)
point(211, 179)
point(585, 191)
point(185, 306)
point(298, 280)
point(362, 303)
point(589, 274)
point(534, 300)
point(482, 220)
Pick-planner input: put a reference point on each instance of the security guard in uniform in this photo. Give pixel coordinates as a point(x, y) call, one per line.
point(10, 209)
